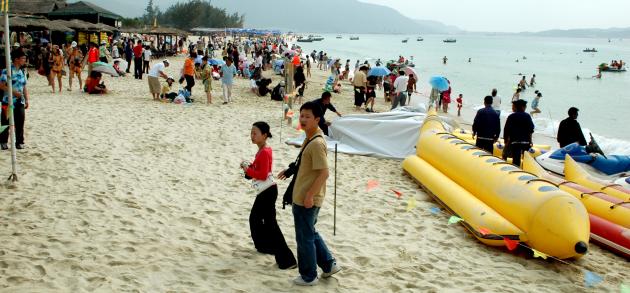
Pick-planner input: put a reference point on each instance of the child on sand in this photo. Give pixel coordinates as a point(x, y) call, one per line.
point(263, 226)
point(459, 104)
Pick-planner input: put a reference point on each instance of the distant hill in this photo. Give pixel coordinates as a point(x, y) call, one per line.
point(329, 16)
point(583, 33)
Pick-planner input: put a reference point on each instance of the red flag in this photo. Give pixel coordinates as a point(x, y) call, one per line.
point(511, 244)
point(372, 184)
point(484, 231)
point(398, 193)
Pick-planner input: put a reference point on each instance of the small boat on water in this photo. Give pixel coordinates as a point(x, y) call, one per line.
point(405, 40)
point(316, 38)
point(587, 50)
point(305, 40)
point(605, 67)
point(339, 37)
point(354, 38)
point(450, 40)
point(420, 39)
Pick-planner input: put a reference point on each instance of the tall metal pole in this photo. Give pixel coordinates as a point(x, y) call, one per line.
point(7, 55)
point(335, 197)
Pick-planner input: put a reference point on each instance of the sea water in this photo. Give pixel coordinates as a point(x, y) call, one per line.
point(604, 103)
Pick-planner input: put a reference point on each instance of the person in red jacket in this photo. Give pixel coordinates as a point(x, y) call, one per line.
point(137, 60)
point(93, 55)
point(264, 228)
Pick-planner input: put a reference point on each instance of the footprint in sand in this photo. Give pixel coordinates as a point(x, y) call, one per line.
point(225, 272)
point(41, 271)
point(190, 221)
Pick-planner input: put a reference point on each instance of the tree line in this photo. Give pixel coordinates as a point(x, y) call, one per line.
point(191, 14)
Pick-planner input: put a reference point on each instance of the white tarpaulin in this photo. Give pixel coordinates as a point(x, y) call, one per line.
point(390, 135)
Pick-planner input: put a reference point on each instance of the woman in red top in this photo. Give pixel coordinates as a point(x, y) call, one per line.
point(264, 228)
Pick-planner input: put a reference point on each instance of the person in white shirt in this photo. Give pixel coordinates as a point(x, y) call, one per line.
point(146, 59)
point(115, 53)
point(496, 102)
point(155, 73)
point(400, 88)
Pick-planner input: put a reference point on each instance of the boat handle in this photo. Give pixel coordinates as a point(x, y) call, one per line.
point(569, 182)
point(486, 155)
point(618, 204)
point(501, 163)
point(588, 193)
point(520, 171)
point(541, 180)
point(611, 185)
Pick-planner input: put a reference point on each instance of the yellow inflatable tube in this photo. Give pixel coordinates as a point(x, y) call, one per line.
point(573, 172)
point(552, 221)
point(535, 151)
point(463, 204)
point(595, 202)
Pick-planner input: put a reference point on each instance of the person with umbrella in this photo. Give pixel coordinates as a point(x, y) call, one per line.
point(155, 73)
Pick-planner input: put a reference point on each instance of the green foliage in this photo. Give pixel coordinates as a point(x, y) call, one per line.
point(149, 13)
point(197, 13)
point(133, 22)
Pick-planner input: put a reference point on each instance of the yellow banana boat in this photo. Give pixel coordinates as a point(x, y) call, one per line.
point(597, 203)
point(535, 151)
point(487, 192)
point(573, 172)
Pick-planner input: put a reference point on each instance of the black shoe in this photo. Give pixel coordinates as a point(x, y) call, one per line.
point(4, 146)
point(19, 146)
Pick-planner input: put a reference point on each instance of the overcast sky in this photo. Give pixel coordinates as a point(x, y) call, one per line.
point(516, 15)
point(471, 15)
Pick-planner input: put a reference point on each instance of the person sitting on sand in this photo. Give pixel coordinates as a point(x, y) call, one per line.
point(263, 226)
point(117, 68)
point(93, 84)
point(166, 92)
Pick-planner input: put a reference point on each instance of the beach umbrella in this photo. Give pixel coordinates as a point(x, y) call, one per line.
point(379, 71)
point(439, 82)
point(214, 62)
point(409, 71)
point(104, 68)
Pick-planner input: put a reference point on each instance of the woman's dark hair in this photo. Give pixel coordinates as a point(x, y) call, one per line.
point(264, 128)
point(314, 107)
point(193, 55)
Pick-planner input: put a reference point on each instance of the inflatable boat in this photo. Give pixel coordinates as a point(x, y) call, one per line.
point(489, 193)
point(609, 216)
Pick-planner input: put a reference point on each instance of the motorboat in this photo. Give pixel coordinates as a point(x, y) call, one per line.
point(587, 50)
point(339, 37)
point(450, 40)
point(354, 38)
point(420, 39)
point(605, 67)
point(405, 40)
point(316, 38)
point(305, 40)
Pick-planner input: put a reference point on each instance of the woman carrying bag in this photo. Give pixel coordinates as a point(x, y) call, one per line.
point(264, 228)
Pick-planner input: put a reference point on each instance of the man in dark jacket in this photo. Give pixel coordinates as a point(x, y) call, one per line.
point(128, 54)
point(486, 126)
point(570, 130)
point(518, 131)
point(324, 103)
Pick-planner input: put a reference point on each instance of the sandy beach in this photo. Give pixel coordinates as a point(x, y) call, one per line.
point(119, 193)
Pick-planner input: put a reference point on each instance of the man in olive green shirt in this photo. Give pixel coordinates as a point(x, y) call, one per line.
point(360, 82)
point(308, 196)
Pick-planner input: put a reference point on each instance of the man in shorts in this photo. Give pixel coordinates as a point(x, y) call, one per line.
point(155, 73)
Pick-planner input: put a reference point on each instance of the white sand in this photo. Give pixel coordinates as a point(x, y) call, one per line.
point(120, 193)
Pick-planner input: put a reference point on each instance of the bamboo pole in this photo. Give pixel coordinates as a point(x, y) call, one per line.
point(7, 53)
